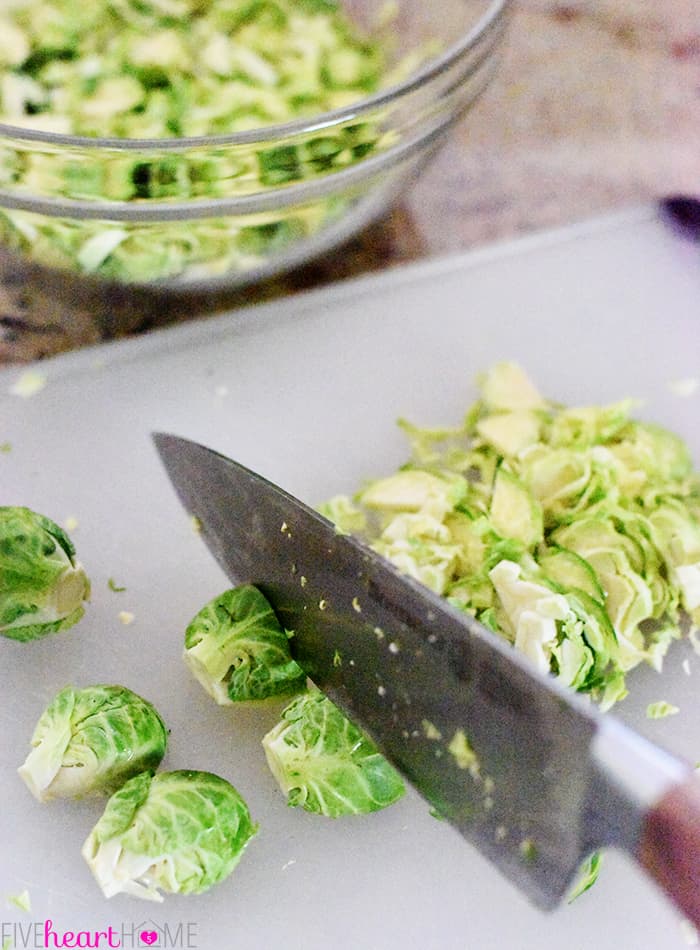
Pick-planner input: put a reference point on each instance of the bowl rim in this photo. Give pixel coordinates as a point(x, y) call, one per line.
point(487, 21)
point(164, 211)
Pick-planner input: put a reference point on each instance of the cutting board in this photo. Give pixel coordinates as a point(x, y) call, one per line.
point(307, 391)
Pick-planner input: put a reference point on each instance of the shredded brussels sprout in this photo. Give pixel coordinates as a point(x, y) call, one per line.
point(90, 741)
point(178, 832)
point(43, 587)
point(661, 709)
point(238, 651)
point(21, 901)
point(158, 70)
point(572, 532)
point(324, 764)
point(28, 384)
point(587, 876)
point(189, 68)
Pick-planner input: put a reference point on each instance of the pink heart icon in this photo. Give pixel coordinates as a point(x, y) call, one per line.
point(148, 937)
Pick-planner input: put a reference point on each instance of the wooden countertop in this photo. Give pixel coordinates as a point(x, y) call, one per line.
point(596, 105)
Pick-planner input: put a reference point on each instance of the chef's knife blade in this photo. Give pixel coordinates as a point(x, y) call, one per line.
point(523, 768)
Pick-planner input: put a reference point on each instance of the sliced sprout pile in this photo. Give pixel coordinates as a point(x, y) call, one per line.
point(43, 587)
point(179, 68)
point(90, 741)
point(324, 764)
point(175, 832)
point(572, 532)
point(238, 651)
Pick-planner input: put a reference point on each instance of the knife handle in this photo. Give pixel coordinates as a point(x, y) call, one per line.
point(670, 846)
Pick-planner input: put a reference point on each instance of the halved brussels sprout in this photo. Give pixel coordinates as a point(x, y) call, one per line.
point(90, 741)
point(325, 764)
point(42, 585)
point(238, 651)
point(179, 832)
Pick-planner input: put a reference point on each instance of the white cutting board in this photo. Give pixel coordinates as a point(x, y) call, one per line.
point(306, 391)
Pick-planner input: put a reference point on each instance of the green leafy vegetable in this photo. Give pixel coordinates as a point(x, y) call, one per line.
point(91, 740)
point(528, 850)
point(42, 585)
point(178, 832)
point(138, 70)
point(572, 532)
point(463, 754)
point(661, 709)
point(587, 876)
point(324, 764)
point(238, 651)
point(156, 71)
point(28, 384)
point(21, 901)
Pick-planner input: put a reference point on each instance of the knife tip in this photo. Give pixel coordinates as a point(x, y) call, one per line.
point(164, 440)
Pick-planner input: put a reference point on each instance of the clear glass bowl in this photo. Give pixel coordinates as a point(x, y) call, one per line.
point(216, 213)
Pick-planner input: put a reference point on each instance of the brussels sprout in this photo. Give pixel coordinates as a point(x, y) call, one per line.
point(90, 741)
point(661, 455)
point(587, 876)
point(514, 512)
point(507, 386)
point(532, 612)
point(42, 585)
point(179, 832)
point(661, 709)
point(676, 533)
point(138, 69)
point(408, 490)
point(345, 515)
point(509, 433)
point(589, 425)
point(324, 764)
point(572, 532)
point(238, 651)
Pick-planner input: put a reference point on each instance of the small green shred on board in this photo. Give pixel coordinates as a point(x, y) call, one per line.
point(661, 710)
point(30, 382)
point(21, 901)
point(587, 876)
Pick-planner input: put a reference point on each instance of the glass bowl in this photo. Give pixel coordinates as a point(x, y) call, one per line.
point(187, 217)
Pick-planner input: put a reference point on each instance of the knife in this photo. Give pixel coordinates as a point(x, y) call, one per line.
point(547, 780)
